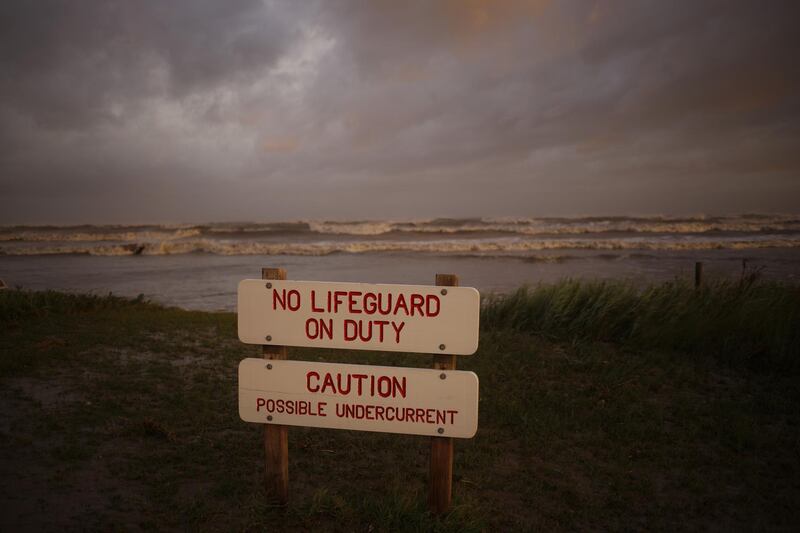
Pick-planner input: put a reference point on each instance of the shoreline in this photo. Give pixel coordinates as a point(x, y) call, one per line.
point(208, 282)
point(746, 321)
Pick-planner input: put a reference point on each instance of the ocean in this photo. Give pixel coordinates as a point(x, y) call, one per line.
point(198, 266)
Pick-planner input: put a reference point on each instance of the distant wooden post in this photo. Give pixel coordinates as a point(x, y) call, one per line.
point(441, 482)
point(276, 437)
point(698, 274)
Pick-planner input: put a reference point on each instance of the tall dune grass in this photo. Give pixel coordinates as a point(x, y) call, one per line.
point(747, 322)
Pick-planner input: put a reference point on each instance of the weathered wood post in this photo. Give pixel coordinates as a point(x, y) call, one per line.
point(698, 274)
point(441, 482)
point(276, 438)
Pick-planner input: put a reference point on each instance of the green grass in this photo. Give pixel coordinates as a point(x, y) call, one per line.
point(118, 415)
point(747, 323)
point(16, 305)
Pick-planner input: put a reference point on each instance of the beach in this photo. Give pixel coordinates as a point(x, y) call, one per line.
point(517, 265)
point(199, 266)
point(614, 392)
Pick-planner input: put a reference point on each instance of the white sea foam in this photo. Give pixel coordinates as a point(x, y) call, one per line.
point(83, 236)
point(535, 226)
point(483, 247)
point(352, 228)
point(474, 226)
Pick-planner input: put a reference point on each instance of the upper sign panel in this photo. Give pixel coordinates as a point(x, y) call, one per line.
point(359, 316)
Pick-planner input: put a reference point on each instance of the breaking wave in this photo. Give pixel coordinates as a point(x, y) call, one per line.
point(66, 235)
point(472, 227)
point(474, 237)
point(483, 247)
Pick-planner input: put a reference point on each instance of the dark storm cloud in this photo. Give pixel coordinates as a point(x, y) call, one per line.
point(353, 109)
point(66, 63)
point(539, 75)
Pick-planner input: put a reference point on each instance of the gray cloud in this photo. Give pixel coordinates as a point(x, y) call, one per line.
point(403, 109)
point(67, 64)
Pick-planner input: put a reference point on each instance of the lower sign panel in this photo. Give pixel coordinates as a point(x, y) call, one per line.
point(414, 401)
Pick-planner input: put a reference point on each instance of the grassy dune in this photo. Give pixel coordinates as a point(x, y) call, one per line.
point(602, 407)
point(747, 323)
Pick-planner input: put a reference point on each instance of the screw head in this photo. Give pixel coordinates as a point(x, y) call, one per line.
point(269, 285)
point(442, 376)
point(269, 337)
point(441, 346)
point(444, 292)
point(269, 417)
point(269, 366)
point(440, 431)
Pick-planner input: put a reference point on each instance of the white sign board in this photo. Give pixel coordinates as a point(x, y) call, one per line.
point(414, 401)
point(359, 316)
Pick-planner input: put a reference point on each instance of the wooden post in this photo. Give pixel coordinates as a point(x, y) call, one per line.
point(698, 274)
point(441, 482)
point(276, 438)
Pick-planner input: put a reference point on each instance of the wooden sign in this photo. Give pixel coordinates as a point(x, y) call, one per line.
point(413, 401)
point(359, 316)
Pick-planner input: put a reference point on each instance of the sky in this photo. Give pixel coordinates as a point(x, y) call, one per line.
point(197, 110)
